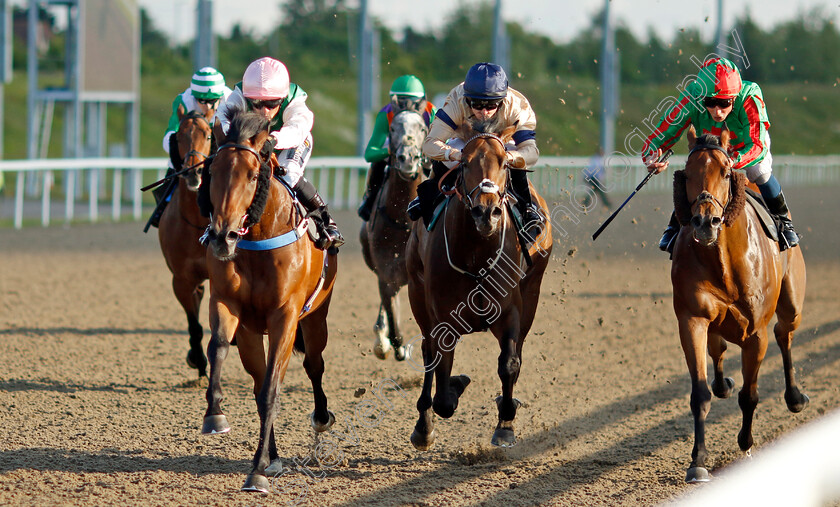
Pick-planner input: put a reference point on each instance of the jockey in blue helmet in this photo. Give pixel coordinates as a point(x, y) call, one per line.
point(483, 96)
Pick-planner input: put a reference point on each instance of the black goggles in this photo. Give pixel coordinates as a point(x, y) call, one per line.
point(267, 104)
point(407, 102)
point(486, 105)
point(207, 102)
point(715, 102)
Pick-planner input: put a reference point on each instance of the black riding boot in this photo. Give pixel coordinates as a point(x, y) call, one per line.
point(666, 244)
point(160, 194)
point(532, 218)
point(374, 183)
point(308, 196)
point(427, 193)
point(777, 206)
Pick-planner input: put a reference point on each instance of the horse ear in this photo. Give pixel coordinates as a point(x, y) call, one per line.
point(507, 133)
point(181, 112)
point(724, 139)
point(691, 136)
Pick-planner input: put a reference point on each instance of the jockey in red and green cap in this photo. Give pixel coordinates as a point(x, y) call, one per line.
point(716, 100)
point(407, 93)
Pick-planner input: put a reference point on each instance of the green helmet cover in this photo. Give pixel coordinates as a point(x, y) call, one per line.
point(207, 83)
point(409, 85)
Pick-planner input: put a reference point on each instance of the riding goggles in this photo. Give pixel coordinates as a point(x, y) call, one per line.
point(715, 102)
point(486, 105)
point(403, 102)
point(208, 102)
point(267, 104)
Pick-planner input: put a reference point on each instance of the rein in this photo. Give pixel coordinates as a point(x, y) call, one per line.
point(254, 212)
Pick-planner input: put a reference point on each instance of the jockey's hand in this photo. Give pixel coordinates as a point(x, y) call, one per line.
point(653, 164)
point(514, 160)
point(454, 155)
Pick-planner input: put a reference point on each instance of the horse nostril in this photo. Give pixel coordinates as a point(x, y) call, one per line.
point(716, 221)
point(696, 220)
point(497, 212)
point(477, 211)
point(232, 236)
point(401, 158)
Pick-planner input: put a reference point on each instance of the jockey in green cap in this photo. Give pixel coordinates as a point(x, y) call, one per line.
point(407, 93)
point(718, 99)
point(206, 93)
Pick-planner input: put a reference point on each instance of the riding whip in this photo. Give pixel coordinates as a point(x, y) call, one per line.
point(665, 156)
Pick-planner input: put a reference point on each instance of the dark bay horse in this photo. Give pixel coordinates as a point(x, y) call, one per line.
point(729, 279)
point(469, 274)
point(266, 276)
point(182, 224)
point(384, 236)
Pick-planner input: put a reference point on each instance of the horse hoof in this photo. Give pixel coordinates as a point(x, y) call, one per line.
point(215, 424)
point(726, 392)
point(748, 453)
point(319, 427)
point(697, 474)
point(400, 353)
point(799, 405)
point(459, 383)
point(422, 441)
point(381, 348)
point(256, 483)
point(503, 437)
point(274, 468)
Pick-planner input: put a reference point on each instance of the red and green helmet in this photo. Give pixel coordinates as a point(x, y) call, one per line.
point(719, 78)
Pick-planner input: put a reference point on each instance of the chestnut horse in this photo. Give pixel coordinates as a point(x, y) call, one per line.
point(469, 274)
point(729, 279)
point(265, 276)
point(182, 224)
point(384, 236)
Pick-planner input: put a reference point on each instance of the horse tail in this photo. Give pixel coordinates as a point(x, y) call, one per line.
point(299, 343)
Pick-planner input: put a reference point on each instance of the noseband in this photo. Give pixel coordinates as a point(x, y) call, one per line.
point(255, 210)
point(485, 186)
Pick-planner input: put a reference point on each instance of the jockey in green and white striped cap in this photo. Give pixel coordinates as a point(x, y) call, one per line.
point(207, 83)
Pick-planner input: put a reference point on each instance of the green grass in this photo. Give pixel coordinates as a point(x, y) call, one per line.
point(805, 117)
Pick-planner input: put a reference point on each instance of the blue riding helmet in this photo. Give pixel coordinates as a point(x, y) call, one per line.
point(486, 81)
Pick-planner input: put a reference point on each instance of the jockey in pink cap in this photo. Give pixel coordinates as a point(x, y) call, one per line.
point(265, 89)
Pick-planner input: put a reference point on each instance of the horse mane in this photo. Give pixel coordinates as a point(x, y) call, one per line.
point(737, 199)
point(243, 126)
point(708, 140)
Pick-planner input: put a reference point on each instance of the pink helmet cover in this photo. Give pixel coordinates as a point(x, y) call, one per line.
point(265, 79)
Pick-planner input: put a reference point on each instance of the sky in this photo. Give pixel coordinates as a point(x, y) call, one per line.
point(559, 19)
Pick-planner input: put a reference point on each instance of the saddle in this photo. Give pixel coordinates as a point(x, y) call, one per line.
point(769, 223)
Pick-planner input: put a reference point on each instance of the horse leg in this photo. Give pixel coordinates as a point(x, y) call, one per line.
point(189, 295)
point(381, 343)
point(752, 354)
point(252, 355)
point(315, 333)
point(390, 297)
point(223, 325)
point(282, 326)
point(449, 388)
point(693, 336)
point(721, 386)
point(423, 435)
point(510, 361)
point(789, 313)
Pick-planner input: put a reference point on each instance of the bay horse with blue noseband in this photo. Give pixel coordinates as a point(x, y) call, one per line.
point(469, 274)
point(265, 276)
point(729, 278)
point(384, 236)
point(181, 225)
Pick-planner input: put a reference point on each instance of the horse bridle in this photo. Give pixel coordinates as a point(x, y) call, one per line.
point(245, 227)
point(190, 153)
point(706, 196)
point(393, 151)
point(485, 186)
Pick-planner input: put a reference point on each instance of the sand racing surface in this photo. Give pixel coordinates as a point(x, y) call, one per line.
point(98, 407)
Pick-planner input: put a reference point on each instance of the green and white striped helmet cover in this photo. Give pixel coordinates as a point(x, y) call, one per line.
point(207, 83)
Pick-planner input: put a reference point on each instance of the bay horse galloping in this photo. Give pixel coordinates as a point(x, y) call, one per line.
point(181, 225)
point(468, 274)
point(384, 236)
point(265, 276)
point(729, 278)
